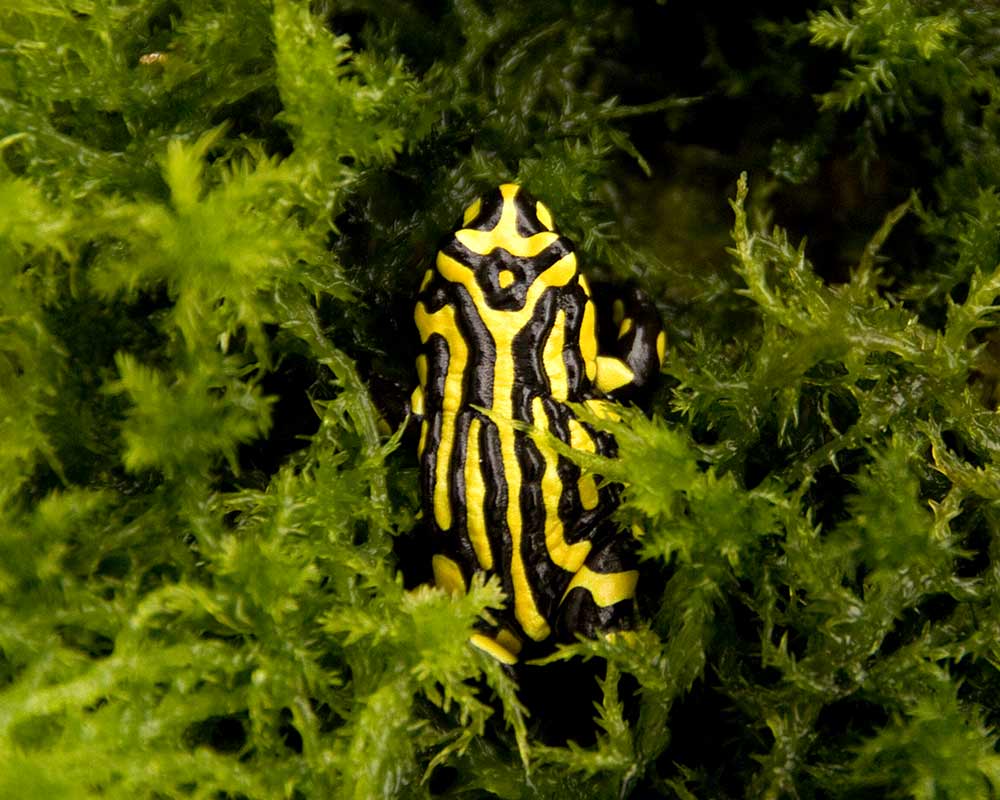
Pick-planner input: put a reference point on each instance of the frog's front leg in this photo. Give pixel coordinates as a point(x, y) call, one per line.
point(632, 341)
point(601, 595)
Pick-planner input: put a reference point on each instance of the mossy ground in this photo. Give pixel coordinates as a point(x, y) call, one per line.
point(213, 218)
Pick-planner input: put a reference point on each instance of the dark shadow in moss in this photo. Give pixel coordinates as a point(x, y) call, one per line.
point(560, 699)
point(913, 622)
point(90, 643)
point(979, 685)
point(222, 733)
point(709, 736)
point(36, 732)
point(412, 550)
point(979, 535)
point(158, 575)
point(91, 331)
point(289, 734)
point(253, 117)
point(831, 488)
point(7, 670)
point(442, 780)
point(295, 381)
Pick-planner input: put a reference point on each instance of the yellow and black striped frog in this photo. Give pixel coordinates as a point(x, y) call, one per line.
point(509, 338)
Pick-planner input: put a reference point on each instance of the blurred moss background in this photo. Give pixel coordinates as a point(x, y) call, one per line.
point(213, 218)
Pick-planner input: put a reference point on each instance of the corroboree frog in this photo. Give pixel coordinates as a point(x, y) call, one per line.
point(509, 335)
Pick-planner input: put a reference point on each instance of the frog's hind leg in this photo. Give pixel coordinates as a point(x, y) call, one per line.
point(631, 341)
point(600, 598)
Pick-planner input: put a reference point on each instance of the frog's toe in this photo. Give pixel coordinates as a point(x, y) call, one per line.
point(504, 646)
point(633, 343)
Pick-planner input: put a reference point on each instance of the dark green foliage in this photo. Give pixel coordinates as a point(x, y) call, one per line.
point(213, 219)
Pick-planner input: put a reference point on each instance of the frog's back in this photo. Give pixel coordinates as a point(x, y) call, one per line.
point(508, 333)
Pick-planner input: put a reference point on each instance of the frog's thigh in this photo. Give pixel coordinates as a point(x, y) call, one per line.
point(639, 342)
point(601, 595)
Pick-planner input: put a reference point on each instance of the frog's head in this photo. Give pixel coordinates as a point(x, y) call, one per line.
point(507, 239)
point(507, 212)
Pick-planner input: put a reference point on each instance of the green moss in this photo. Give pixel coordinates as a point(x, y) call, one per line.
point(213, 218)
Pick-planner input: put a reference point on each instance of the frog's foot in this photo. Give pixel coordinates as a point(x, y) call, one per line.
point(632, 341)
point(503, 645)
point(601, 596)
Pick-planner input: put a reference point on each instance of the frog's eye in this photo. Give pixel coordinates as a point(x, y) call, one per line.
point(544, 216)
point(472, 211)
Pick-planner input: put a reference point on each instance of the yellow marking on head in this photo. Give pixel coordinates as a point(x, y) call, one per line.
point(579, 439)
point(472, 211)
point(447, 574)
point(559, 274)
point(505, 234)
point(505, 278)
point(508, 238)
point(607, 588)
point(428, 277)
point(617, 312)
point(475, 498)
point(661, 345)
point(444, 322)
point(492, 648)
point(552, 358)
point(417, 402)
point(625, 327)
point(544, 216)
point(566, 555)
point(612, 373)
point(585, 285)
point(588, 340)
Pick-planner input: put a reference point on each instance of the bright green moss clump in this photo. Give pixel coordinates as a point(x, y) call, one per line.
point(213, 219)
